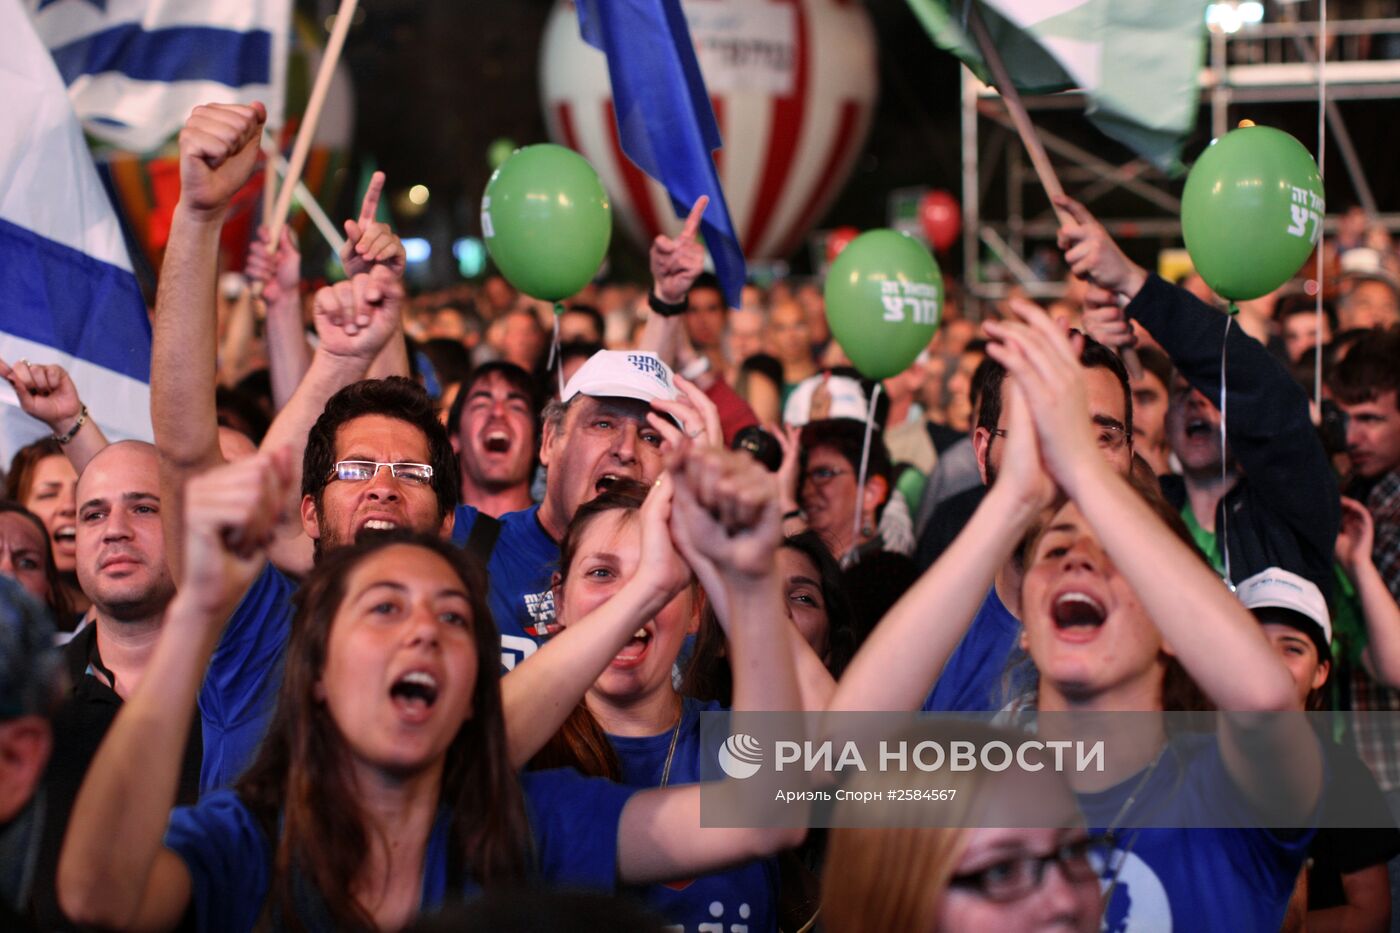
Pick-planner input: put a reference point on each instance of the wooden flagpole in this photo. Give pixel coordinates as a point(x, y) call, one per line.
point(319, 90)
point(1029, 138)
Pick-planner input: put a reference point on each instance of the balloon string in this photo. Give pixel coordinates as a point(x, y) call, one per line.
point(1321, 172)
point(1222, 533)
point(554, 354)
point(852, 555)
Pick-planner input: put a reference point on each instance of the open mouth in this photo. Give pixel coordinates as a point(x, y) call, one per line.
point(416, 691)
point(496, 442)
point(1078, 611)
point(635, 649)
point(65, 534)
point(378, 524)
point(605, 482)
point(1198, 428)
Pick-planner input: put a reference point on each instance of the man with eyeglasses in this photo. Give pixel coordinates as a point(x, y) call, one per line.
point(1262, 496)
point(359, 332)
point(977, 677)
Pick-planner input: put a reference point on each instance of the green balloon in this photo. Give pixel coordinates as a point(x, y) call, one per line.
point(910, 485)
point(1252, 211)
point(546, 221)
point(884, 299)
point(498, 152)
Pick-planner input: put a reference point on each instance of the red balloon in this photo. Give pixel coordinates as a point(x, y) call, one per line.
point(837, 240)
point(941, 219)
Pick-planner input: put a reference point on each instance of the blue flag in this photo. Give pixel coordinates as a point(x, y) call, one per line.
point(664, 118)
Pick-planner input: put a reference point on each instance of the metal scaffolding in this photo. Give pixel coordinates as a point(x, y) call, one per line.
point(1268, 63)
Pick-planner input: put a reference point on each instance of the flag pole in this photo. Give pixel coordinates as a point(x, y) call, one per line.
point(311, 117)
point(269, 199)
point(1029, 138)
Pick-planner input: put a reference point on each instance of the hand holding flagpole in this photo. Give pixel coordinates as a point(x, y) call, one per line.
point(1030, 139)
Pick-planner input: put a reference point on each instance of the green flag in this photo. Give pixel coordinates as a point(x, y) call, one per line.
point(1137, 61)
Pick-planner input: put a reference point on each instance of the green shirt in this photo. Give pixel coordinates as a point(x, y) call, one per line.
point(1207, 542)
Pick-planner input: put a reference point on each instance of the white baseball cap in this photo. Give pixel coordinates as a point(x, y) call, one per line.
point(847, 399)
point(622, 374)
point(1276, 588)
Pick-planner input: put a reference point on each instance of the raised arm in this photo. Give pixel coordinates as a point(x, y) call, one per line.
point(675, 265)
point(353, 320)
point(131, 785)
point(1268, 425)
point(905, 654)
point(1378, 607)
point(279, 271)
point(1275, 760)
point(726, 520)
point(542, 690)
point(370, 243)
point(218, 150)
point(46, 393)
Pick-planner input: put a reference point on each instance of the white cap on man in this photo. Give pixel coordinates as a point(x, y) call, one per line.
point(622, 374)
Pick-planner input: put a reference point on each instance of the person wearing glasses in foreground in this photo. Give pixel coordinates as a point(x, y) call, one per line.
point(959, 876)
point(384, 787)
point(1119, 613)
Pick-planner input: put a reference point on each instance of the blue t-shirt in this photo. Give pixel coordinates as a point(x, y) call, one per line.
point(973, 680)
point(521, 570)
point(1193, 879)
point(240, 687)
point(743, 897)
point(573, 823)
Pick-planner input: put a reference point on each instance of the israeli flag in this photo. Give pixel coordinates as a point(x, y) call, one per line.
point(136, 68)
point(67, 292)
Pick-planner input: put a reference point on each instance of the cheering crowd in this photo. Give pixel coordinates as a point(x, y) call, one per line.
point(411, 614)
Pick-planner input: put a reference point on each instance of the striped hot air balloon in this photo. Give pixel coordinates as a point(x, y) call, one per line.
point(793, 84)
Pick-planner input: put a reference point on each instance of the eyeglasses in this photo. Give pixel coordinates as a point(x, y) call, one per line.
point(820, 476)
point(1015, 878)
point(1110, 437)
point(359, 471)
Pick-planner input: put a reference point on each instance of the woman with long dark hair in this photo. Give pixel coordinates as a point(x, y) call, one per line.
point(384, 786)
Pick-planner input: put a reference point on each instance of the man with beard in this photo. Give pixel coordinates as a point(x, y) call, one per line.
point(358, 325)
point(494, 430)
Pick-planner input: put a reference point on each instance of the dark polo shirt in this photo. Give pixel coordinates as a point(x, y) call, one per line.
point(78, 729)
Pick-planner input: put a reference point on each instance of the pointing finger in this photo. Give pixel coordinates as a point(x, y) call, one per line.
point(692, 223)
point(371, 203)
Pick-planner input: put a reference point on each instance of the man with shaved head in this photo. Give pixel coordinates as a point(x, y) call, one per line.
point(121, 565)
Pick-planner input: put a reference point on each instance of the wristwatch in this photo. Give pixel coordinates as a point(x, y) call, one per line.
point(663, 308)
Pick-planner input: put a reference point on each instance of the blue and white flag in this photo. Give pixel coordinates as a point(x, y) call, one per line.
point(67, 292)
point(664, 118)
point(136, 68)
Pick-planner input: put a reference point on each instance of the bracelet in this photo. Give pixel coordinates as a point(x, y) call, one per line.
point(664, 308)
point(73, 431)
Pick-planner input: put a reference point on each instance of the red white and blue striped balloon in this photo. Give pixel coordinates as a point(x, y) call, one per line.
point(793, 84)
